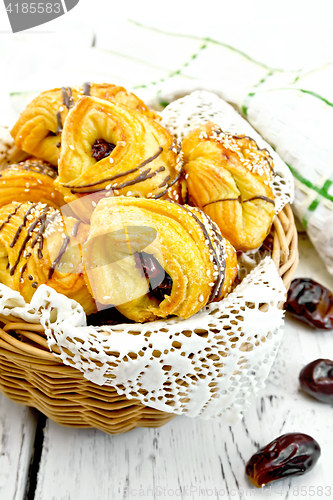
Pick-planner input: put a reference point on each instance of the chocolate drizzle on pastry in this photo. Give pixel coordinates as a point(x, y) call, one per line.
point(10, 216)
point(59, 122)
point(86, 88)
point(142, 177)
point(67, 97)
point(76, 228)
point(35, 166)
point(241, 201)
point(159, 195)
point(260, 198)
point(218, 201)
point(45, 222)
point(151, 158)
point(21, 226)
point(175, 146)
point(22, 271)
point(165, 182)
point(219, 263)
point(116, 176)
point(58, 259)
point(41, 217)
point(36, 221)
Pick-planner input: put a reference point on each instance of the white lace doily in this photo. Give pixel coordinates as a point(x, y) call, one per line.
point(205, 366)
point(187, 113)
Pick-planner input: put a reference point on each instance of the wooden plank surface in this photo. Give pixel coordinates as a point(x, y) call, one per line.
point(17, 435)
point(191, 458)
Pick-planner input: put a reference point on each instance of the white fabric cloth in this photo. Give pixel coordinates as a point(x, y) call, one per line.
point(291, 109)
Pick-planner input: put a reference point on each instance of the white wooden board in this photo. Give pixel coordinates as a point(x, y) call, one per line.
point(17, 436)
point(198, 459)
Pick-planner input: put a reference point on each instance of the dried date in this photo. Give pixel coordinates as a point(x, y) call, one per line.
point(102, 149)
point(311, 303)
point(291, 454)
point(316, 379)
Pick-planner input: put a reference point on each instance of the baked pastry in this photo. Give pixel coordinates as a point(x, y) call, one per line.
point(110, 149)
point(36, 248)
point(38, 130)
point(229, 178)
point(9, 153)
point(31, 180)
point(153, 259)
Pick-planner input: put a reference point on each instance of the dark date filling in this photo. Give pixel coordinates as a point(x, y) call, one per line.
point(102, 149)
point(107, 316)
point(153, 272)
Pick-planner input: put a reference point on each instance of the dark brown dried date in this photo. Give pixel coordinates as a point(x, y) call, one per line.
point(316, 379)
point(160, 283)
point(102, 149)
point(311, 303)
point(291, 454)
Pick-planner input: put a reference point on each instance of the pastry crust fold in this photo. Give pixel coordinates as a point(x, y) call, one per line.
point(38, 130)
point(153, 259)
point(229, 178)
point(31, 180)
point(9, 153)
point(112, 149)
point(36, 248)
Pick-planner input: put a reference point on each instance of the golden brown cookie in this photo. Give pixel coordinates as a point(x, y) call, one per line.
point(229, 178)
point(36, 248)
point(38, 130)
point(154, 259)
point(109, 149)
point(31, 180)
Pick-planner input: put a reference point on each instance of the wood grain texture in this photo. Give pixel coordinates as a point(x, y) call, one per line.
point(17, 435)
point(191, 458)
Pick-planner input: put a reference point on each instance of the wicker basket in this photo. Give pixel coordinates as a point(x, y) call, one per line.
point(30, 374)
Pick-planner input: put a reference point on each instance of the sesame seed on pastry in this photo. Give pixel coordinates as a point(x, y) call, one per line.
point(229, 178)
point(36, 248)
point(30, 180)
